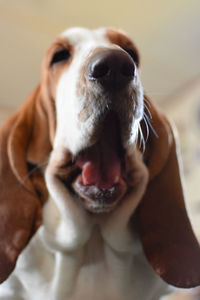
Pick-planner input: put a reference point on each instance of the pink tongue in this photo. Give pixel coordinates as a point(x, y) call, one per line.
point(101, 164)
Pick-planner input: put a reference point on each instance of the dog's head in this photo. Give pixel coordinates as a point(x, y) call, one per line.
point(89, 110)
point(95, 86)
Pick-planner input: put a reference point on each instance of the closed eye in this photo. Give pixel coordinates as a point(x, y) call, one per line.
point(60, 56)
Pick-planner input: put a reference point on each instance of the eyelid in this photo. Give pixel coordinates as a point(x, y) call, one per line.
point(61, 55)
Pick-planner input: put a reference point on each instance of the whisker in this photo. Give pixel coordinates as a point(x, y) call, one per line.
point(151, 126)
point(137, 137)
point(147, 129)
point(37, 167)
point(147, 102)
point(148, 110)
point(142, 141)
point(147, 118)
point(157, 93)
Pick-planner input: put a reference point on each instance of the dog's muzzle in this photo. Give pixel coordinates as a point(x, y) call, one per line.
point(101, 181)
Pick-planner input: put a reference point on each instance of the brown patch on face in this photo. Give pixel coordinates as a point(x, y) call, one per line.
point(120, 39)
point(51, 74)
point(54, 71)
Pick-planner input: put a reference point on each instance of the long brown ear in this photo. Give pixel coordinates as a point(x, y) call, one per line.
point(24, 143)
point(163, 225)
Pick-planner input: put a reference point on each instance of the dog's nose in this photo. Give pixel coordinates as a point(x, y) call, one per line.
point(111, 68)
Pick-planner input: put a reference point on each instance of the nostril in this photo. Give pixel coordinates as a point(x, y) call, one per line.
point(99, 70)
point(111, 68)
point(128, 69)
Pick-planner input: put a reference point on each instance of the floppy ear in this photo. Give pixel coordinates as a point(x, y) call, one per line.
point(163, 225)
point(24, 145)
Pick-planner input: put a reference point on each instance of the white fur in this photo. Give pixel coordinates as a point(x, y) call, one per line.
point(69, 133)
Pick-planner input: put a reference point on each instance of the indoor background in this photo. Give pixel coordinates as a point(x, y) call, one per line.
point(166, 32)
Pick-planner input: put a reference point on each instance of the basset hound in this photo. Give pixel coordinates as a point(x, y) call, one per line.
point(91, 196)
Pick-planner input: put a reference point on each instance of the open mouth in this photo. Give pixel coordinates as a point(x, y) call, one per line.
point(100, 182)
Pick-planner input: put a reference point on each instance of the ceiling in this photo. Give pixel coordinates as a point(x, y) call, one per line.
point(166, 32)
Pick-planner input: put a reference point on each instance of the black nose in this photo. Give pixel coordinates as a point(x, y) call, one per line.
point(111, 68)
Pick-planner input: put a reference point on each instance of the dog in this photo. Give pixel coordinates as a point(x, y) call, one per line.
point(91, 195)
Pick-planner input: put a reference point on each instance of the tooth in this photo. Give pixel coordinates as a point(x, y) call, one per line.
point(116, 179)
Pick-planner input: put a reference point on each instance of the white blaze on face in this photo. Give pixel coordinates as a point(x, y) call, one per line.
point(70, 133)
point(68, 104)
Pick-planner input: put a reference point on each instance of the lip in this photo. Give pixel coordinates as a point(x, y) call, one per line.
point(98, 200)
point(93, 199)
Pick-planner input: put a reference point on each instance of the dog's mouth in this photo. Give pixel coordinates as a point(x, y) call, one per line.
point(99, 180)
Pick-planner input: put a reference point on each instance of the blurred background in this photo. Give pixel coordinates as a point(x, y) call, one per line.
point(166, 32)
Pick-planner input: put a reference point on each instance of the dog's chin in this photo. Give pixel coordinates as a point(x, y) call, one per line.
point(99, 200)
